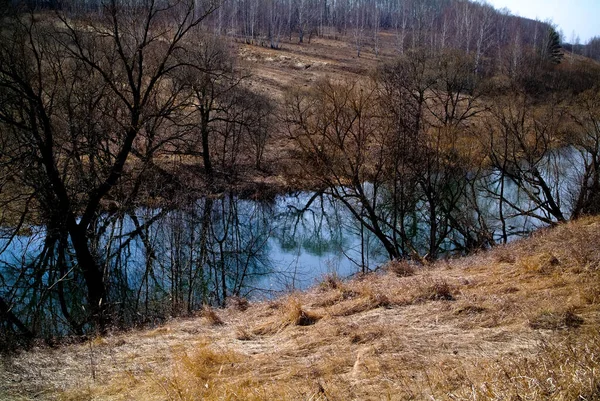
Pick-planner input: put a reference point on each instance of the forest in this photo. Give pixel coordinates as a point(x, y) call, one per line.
point(135, 131)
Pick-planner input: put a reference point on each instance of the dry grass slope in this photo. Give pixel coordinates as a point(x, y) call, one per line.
point(520, 322)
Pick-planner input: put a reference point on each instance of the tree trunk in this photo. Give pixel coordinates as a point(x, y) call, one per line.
point(93, 276)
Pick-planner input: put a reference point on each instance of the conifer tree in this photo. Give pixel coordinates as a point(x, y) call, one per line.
point(553, 51)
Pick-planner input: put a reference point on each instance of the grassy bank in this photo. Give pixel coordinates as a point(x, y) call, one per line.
point(517, 322)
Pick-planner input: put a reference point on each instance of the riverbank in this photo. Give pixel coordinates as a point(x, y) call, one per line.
point(518, 320)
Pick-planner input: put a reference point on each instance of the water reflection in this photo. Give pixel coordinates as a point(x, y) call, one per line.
point(161, 263)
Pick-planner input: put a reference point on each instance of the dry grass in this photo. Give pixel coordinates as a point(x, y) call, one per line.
point(211, 316)
point(401, 268)
point(238, 303)
point(434, 290)
point(522, 324)
point(290, 313)
point(555, 320)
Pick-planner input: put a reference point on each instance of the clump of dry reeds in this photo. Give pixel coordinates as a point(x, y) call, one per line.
point(544, 263)
point(243, 334)
point(330, 282)
point(298, 316)
point(291, 313)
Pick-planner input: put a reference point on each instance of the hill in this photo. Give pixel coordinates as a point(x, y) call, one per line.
point(517, 322)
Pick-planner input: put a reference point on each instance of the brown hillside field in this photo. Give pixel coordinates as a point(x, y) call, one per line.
point(519, 322)
point(302, 64)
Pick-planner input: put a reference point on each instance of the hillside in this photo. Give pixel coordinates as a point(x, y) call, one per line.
point(517, 322)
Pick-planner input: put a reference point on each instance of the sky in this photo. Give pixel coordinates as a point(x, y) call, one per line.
point(580, 16)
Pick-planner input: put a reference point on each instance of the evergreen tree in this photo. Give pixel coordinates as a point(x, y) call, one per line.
point(553, 51)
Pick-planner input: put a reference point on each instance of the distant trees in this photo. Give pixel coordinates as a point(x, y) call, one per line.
point(473, 27)
point(227, 117)
point(592, 49)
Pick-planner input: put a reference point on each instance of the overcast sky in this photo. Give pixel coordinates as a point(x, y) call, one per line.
point(581, 16)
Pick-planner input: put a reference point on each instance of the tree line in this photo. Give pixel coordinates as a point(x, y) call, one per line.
point(431, 158)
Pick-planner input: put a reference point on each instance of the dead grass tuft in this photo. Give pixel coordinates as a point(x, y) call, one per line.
point(544, 263)
point(504, 256)
point(434, 290)
point(364, 297)
point(470, 310)
point(291, 314)
point(297, 316)
point(547, 320)
point(337, 296)
point(210, 315)
point(238, 303)
point(330, 282)
point(242, 334)
point(401, 268)
point(362, 334)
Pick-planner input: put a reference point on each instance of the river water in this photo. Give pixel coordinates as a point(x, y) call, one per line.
point(163, 262)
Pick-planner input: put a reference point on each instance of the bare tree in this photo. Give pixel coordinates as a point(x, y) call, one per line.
point(224, 114)
point(523, 148)
point(340, 133)
point(587, 142)
point(88, 95)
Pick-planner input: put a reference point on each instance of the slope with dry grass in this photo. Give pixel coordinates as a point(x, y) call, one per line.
point(518, 322)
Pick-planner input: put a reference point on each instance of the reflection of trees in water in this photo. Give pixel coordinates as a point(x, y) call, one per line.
point(189, 257)
point(157, 263)
point(319, 225)
point(313, 224)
